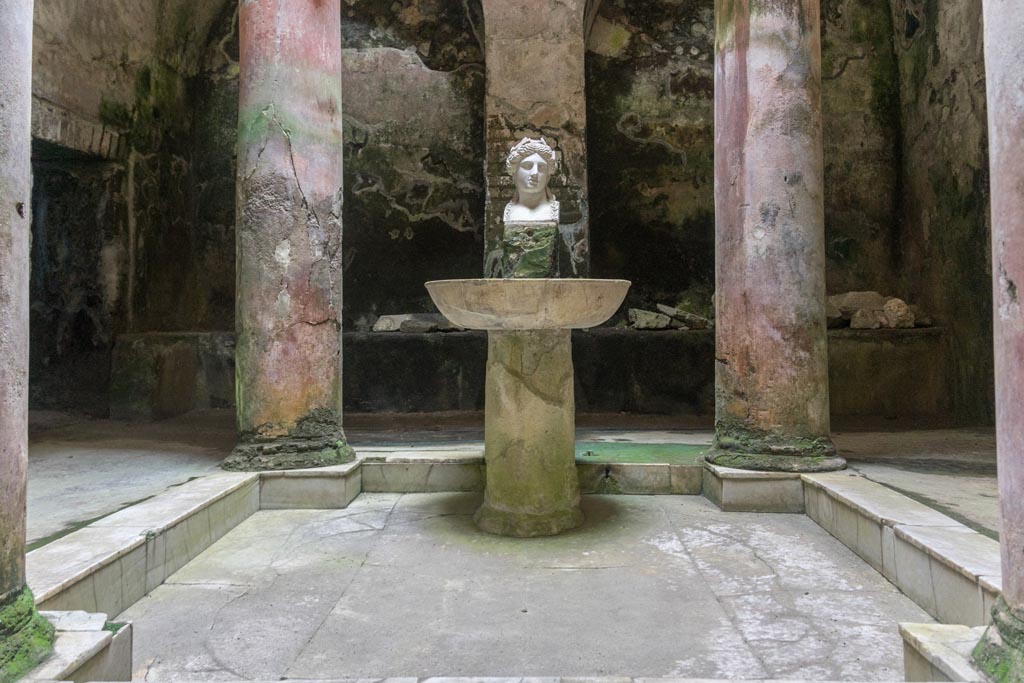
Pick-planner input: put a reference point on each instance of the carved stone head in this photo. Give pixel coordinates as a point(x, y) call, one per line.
point(531, 163)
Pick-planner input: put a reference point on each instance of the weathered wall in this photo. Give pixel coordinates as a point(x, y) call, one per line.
point(414, 144)
point(651, 133)
point(132, 236)
point(945, 186)
point(79, 278)
point(180, 168)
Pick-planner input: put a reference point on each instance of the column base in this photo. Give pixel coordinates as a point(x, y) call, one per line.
point(524, 524)
point(289, 453)
point(769, 453)
point(1000, 654)
point(26, 637)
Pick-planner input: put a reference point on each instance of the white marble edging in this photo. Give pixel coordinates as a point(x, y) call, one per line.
point(939, 652)
point(85, 651)
point(948, 569)
point(112, 563)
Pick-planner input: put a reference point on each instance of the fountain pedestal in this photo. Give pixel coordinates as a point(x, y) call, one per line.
point(529, 429)
point(529, 415)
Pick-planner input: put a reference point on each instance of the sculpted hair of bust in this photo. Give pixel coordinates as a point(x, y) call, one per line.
point(531, 162)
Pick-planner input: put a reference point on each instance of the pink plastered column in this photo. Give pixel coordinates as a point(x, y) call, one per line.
point(289, 231)
point(26, 637)
point(771, 370)
point(15, 202)
point(1001, 653)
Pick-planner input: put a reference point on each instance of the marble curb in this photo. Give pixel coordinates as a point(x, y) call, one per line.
point(948, 569)
point(447, 472)
point(735, 490)
point(313, 473)
point(323, 488)
point(733, 473)
point(536, 679)
point(473, 456)
point(112, 563)
point(84, 650)
point(939, 652)
point(877, 502)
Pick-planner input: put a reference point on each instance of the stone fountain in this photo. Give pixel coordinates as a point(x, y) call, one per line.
point(529, 416)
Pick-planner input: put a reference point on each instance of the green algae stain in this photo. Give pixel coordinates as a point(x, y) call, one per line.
point(26, 637)
point(639, 453)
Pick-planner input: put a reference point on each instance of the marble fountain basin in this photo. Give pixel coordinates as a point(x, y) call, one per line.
point(530, 409)
point(528, 304)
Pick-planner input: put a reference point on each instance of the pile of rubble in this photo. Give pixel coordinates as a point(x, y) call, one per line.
point(667, 318)
point(415, 322)
point(872, 311)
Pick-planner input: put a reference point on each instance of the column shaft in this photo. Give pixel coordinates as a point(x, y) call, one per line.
point(530, 425)
point(1001, 652)
point(771, 371)
point(25, 637)
point(289, 272)
point(536, 87)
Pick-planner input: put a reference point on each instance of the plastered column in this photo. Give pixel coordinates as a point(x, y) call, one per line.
point(289, 273)
point(530, 432)
point(536, 88)
point(25, 637)
point(1001, 653)
point(771, 370)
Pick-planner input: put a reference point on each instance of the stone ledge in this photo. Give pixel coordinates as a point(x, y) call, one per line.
point(949, 570)
point(115, 561)
point(403, 472)
point(735, 490)
point(325, 488)
point(85, 650)
point(617, 370)
point(940, 653)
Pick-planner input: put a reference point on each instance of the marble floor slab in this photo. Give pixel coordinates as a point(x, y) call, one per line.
point(405, 585)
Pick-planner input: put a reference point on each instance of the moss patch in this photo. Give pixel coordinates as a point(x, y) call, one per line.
point(1000, 654)
point(26, 638)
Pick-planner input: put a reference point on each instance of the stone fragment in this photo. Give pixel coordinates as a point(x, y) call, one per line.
point(866, 319)
point(896, 314)
point(426, 322)
point(640, 319)
point(390, 323)
point(851, 302)
point(690, 321)
point(833, 316)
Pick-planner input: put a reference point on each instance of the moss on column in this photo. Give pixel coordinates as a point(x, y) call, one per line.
point(26, 637)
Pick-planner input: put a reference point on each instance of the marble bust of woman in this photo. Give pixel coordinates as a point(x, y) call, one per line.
point(531, 163)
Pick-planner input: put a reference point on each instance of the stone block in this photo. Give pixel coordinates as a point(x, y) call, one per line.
point(869, 541)
point(327, 488)
point(86, 650)
point(876, 501)
point(845, 528)
point(939, 652)
point(958, 599)
point(914, 575)
point(422, 477)
point(959, 547)
point(640, 319)
point(686, 479)
point(641, 479)
point(889, 553)
point(113, 663)
point(735, 490)
point(849, 303)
